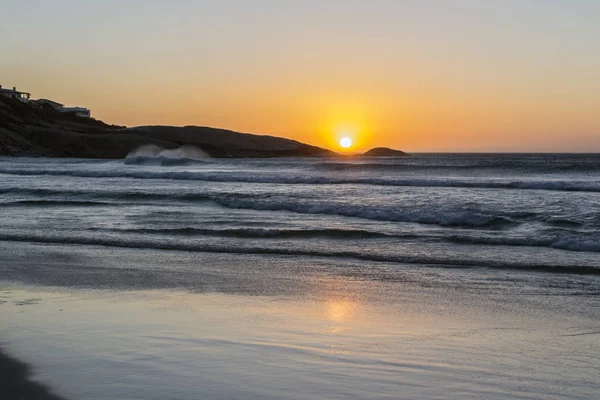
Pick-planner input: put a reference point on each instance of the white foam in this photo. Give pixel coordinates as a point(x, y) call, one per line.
point(152, 154)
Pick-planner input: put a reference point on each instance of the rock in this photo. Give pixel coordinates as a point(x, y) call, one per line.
point(384, 152)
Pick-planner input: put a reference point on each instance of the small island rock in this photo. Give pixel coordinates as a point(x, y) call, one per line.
point(384, 152)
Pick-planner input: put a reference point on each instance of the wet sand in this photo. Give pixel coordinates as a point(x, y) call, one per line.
point(16, 382)
point(98, 323)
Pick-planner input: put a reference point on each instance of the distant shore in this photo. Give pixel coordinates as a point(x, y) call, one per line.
point(30, 130)
point(16, 383)
point(27, 129)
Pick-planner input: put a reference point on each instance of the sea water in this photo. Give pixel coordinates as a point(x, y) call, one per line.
point(430, 276)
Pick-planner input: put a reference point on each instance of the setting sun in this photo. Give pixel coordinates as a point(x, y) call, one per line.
point(346, 142)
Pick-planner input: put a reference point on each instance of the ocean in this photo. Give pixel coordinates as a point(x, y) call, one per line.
point(448, 276)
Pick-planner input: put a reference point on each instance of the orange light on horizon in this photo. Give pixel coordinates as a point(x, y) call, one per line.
point(345, 121)
point(346, 142)
point(347, 138)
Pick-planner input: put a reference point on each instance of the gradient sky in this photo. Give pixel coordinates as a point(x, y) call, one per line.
point(415, 75)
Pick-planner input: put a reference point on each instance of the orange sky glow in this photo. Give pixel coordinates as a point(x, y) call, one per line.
point(422, 78)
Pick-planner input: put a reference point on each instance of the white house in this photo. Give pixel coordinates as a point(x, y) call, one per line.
point(79, 111)
point(49, 103)
point(24, 97)
point(13, 93)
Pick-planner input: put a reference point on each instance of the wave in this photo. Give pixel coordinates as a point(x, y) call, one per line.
point(272, 178)
point(154, 155)
point(517, 164)
point(562, 235)
point(58, 203)
point(565, 242)
point(421, 259)
point(258, 233)
point(576, 242)
point(161, 161)
point(423, 216)
point(504, 164)
point(52, 196)
point(447, 217)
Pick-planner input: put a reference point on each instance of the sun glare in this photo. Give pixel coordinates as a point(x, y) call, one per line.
point(346, 142)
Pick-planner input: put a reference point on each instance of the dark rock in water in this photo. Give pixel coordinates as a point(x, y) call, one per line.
point(30, 130)
point(384, 152)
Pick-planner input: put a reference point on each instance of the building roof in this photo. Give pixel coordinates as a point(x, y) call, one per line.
point(50, 102)
point(75, 109)
point(3, 90)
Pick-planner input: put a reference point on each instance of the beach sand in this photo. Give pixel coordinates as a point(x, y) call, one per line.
point(313, 331)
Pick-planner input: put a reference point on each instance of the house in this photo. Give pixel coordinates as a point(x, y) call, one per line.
point(49, 103)
point(45, 103)
point(78, 111)
point(13, 93)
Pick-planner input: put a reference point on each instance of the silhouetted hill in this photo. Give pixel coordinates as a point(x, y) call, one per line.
point(384, 152)
point(26, 129)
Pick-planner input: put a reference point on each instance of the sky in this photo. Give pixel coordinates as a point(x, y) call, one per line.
point(446, 75)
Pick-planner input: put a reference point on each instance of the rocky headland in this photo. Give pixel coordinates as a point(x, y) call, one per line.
point(27, 129)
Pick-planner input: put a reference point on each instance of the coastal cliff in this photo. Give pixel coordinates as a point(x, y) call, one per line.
point(29, 130)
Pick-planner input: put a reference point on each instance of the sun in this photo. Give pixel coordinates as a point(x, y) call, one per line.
point(346, 142)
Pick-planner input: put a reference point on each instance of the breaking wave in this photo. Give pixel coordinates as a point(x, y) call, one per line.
point(434, 217)
point(562, 242)
point(442, 217)
point(550, 184)
point(154, 155)
point(421, 259)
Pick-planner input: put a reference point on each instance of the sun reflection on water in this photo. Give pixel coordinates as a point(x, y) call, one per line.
point(341, 314)
point(340, 310)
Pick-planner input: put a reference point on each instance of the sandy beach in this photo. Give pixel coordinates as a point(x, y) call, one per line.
point(311, 330)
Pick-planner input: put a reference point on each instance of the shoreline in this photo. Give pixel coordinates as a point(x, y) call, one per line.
point(16, 381)
point(342, 336)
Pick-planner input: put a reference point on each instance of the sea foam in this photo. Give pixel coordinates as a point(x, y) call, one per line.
point(154, 155)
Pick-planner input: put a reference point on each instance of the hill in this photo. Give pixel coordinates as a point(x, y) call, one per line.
point(28, 130)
